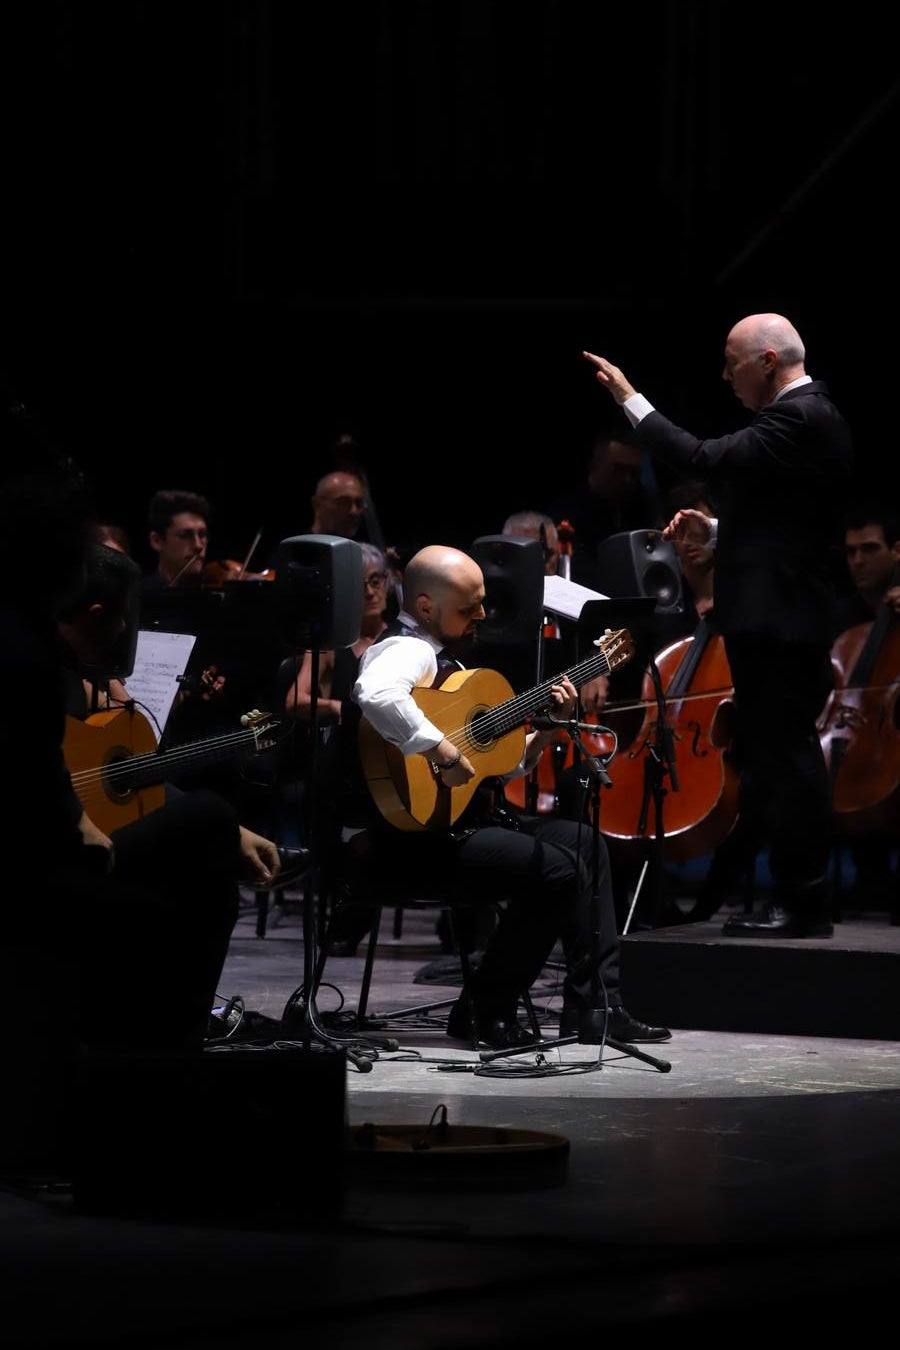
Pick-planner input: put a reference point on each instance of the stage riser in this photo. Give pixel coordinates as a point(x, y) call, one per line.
point(835, 987)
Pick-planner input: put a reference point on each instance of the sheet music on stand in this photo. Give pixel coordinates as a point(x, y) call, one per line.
point(567, 598)
point(159, 660)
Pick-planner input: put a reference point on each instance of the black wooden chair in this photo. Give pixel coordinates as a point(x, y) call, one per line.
point(462, 911)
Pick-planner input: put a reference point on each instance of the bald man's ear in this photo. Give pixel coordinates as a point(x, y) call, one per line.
point(769, 360)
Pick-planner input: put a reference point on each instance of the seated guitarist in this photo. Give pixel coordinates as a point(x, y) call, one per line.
point(102, 964)
point(192, 842)
point(536, 859)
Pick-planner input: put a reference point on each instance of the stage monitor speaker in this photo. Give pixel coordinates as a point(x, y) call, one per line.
point(641, 563)
point(319, 590)
point(514, 588)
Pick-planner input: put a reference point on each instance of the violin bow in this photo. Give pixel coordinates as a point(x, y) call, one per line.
point(250, 552)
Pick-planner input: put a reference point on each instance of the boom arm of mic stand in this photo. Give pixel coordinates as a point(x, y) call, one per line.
point(664, 738)
point(596, 763)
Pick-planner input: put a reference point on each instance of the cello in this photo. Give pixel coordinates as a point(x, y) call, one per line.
point(696, 683)
point(859, 728)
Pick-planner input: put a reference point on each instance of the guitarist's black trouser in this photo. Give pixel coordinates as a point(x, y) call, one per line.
point(117, 963)
point(542, 874)
point(139, 949)
point(187, 854)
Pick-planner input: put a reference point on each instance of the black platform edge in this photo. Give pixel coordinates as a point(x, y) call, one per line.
point(691, 976)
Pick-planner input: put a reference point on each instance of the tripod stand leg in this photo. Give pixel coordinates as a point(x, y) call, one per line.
point(662, 1065)
point(486, 1056)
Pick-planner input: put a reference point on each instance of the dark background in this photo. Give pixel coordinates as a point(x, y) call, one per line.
point(235, 231)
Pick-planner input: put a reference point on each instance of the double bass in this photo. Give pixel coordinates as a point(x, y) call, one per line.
point(859, 728)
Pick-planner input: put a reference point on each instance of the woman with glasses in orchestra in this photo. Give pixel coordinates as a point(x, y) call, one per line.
point(337, 675)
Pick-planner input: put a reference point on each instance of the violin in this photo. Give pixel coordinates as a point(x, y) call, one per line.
point(859, 728)
point(698, 700)
point(217, 573)
point(221, 570)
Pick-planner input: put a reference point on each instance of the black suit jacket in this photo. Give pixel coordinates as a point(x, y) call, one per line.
point(780, 484)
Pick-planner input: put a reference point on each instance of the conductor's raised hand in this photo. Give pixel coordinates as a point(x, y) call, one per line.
point(689, 526)
point(611, 377)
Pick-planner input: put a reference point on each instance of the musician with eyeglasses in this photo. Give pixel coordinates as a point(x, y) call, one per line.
point(178, 533)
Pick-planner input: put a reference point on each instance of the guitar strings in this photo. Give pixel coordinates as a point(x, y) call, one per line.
point(514, 711)
point(87, 780)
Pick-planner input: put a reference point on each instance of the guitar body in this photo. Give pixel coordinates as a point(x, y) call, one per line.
point(478, 711)
point(103, 742)
point(405, 789)
point(119, 771)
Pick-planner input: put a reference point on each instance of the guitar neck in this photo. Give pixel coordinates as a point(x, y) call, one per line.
point(144, 770)
point(496, 722)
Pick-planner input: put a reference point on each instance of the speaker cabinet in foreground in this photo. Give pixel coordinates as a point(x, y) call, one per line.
point(641, 563)
point(514, 588)
point(319, 590)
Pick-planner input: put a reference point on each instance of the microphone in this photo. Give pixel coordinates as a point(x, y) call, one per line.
point(545, 723)
point(596, 764)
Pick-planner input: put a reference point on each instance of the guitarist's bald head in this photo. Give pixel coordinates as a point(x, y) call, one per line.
point(437, 569)
point(443, 588)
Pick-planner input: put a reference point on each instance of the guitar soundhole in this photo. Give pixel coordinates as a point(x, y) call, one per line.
point(116, 783)
point(478, 729)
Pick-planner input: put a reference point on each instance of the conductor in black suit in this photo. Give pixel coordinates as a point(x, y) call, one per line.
point(779, 483)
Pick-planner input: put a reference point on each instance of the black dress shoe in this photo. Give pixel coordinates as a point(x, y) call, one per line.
point(349, 925)
point(777, 922)
point(342, 947)
point(500, 1033)
point(591, 1026)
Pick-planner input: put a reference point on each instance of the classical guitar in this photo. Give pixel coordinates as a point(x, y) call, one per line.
point(118, 771)
point(478, 711)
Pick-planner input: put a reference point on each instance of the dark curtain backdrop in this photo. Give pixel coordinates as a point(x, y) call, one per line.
point(236, 231)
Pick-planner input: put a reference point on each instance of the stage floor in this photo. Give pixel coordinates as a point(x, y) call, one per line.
point(757, 1177)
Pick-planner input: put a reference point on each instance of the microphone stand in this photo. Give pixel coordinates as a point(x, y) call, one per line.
point(594, 776)
point(659, 762)
point(360, 1050)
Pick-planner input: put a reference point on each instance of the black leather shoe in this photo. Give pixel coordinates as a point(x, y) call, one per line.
point(342, 947)
point(620, 1025)
point(777, 922)
point(497, 1032)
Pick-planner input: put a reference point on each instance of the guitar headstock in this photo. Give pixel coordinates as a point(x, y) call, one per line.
point(254, 718)
point(617, 645)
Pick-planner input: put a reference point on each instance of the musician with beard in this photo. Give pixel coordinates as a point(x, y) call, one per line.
point(484, 851)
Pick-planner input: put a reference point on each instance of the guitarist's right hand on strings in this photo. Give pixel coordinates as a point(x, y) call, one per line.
point(450, 764)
